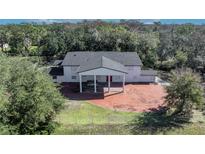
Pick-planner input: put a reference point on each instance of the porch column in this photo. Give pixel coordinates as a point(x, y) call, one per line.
point(108, 83)
point(95, 89)
point(80, 77)
point(123, 82)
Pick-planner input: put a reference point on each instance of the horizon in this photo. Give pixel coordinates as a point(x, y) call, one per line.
point(74, 21)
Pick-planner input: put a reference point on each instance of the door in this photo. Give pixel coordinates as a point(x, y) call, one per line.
point(110, 78)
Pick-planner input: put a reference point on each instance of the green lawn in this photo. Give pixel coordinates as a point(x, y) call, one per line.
point(80, 117)
point(84, 118)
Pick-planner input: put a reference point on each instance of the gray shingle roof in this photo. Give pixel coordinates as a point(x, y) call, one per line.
point(101, 62)
point(78, 58)
point(56, 71)
point(57, 62)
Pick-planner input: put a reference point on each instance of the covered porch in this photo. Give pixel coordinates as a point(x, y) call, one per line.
point(101, 66)
point(97, 85)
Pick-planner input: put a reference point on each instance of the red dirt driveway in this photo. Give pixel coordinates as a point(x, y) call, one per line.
point(136, 98)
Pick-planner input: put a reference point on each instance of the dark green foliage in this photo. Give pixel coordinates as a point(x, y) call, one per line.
point(157, 121)
point(146, 48)
point(4, 37)
point(181, 58)
point(29, 99)
point(50, 45)
point(159, 46)
point(185, 93)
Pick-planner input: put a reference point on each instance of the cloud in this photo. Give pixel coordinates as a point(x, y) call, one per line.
point(149, 21)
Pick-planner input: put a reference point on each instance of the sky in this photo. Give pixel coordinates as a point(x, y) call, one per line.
point(145, 21)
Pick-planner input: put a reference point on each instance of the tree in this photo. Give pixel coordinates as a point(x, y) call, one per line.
point(30, 99)
point(17, 42)
point(49, 45)
point(181, 58)
point(147, 47)
point(165, 47)
point(184, 94)
point(4, 38)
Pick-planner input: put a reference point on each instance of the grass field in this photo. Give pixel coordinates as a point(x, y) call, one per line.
point(83, 118)
point(80, 117)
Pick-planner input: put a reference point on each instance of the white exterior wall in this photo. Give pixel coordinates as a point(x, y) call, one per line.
point(133, 73)
point(60, 79)
point(147, 79)
point(132, 76)
point(69, 72)
point(101, 75)
point(87, 77)
point(117, 78)
point(101, 78)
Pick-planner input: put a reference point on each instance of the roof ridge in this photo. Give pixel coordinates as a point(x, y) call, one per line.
point(102, 51)
point(101, 60)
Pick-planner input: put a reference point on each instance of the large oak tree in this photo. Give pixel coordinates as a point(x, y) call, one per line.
point(29, 99)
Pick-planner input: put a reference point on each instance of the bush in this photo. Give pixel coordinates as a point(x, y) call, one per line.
point(184, 93)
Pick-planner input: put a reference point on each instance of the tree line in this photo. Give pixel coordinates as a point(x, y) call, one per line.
point(159, 46)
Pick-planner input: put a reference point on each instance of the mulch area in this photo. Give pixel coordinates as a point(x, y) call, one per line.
point(136, 98)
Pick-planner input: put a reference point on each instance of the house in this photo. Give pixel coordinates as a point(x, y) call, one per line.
point(56, 71)
point(80, 67)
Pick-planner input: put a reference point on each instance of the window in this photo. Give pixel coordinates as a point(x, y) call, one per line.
point(73, 77)
point(54, 77)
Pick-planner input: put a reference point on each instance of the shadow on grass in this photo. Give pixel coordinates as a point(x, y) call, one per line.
point(92, 129)
point(156, 122)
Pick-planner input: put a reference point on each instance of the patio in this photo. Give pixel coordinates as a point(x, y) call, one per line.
point(136, 97)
